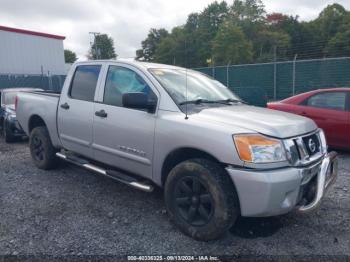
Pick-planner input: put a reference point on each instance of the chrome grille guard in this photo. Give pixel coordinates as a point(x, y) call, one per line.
point(325, 178)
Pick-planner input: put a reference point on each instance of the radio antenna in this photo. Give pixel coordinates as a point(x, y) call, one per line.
point(186, 65)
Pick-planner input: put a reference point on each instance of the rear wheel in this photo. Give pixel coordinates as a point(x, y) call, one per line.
point(41, 149)
point(201, 199)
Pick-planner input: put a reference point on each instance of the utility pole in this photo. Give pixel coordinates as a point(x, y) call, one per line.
point(212, 67)
point(294, 64)
point(97, 50)
point(228, 75)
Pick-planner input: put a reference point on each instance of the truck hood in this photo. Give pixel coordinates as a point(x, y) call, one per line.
point(265, 121)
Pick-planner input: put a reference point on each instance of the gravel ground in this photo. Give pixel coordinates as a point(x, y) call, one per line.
point(71, 211)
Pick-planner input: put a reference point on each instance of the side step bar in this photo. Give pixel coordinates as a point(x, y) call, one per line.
point(121, 177)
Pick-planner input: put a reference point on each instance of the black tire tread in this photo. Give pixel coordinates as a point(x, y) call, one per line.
point(50, 160)
point(218, 173)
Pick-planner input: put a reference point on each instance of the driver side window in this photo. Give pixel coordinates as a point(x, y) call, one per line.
point(122, 80)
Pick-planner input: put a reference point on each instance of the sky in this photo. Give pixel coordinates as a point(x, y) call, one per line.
point(127, 21)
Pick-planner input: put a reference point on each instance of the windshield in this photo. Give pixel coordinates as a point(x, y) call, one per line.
point(199, 86)
point(9, 98)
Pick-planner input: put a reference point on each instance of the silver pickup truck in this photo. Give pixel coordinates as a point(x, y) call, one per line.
point(149, 125)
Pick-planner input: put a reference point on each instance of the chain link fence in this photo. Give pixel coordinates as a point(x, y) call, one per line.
point(46, 82)
point(280, 80)
point(276, 80)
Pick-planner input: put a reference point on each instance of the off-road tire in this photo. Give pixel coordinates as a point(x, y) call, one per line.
point(223, 196)
point(39, 140)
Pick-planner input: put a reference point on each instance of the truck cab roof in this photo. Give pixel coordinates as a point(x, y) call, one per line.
point(144, 65)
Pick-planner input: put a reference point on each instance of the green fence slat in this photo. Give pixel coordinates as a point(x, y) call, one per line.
point(35, 81)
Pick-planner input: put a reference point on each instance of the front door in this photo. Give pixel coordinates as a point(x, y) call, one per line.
point(76, 110)
point(124, 137)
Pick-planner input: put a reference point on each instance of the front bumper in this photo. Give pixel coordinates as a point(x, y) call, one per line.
point(278, 191)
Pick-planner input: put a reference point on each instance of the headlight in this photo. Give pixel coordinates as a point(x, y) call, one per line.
point(257, 148)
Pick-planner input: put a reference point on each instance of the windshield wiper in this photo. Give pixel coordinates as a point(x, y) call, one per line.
point(206, 101)
point(230, 100)
point(198, 101)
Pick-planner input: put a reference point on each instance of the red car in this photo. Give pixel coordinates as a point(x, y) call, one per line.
point(329, 108)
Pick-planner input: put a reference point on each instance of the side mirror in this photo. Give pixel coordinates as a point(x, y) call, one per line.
point(139, 100)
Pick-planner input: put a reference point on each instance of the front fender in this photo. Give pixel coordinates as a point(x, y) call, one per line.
point(173, 131)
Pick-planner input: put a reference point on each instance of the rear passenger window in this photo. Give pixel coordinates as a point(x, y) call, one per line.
point(84, 82)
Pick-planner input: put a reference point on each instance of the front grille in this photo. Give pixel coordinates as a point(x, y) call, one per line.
point(312, 144)
point(304, 150)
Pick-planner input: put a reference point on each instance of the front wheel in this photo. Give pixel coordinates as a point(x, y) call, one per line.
point(41, 149)
point(201, 199)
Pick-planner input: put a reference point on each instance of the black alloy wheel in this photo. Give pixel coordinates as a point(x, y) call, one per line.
point(38, 148)
point(193, 201)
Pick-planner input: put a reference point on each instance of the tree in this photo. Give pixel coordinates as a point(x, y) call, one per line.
point(249, 15)
point(268, 40)
point(339, 45)
point(190, 45)
point(203, 36)
point(193, 41)
point(231, 46)
point(291, 26)
point(192, 22)
point(150, 44)
point(209, 22)
point(317, 33)
point(102, 48)
point(250, 10)
point(172, 49)
point(69, 56)
point(330, 20)
point(275, 18)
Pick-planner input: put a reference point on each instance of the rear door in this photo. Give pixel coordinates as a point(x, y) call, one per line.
point(124, 137)
point(329, 110)
point(76, 109)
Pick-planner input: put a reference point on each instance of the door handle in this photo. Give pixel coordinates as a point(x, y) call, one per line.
point(304, 113)
point(101, 113)
point(65, 106)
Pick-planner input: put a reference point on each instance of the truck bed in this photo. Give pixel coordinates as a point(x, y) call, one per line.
point(45, 93)
point(41, 105)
